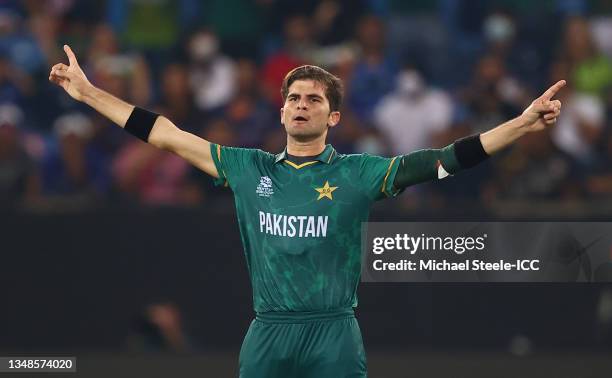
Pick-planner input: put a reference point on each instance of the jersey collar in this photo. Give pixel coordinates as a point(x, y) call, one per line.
point(327, 156)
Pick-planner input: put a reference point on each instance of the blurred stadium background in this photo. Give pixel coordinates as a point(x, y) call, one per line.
point(112, 249)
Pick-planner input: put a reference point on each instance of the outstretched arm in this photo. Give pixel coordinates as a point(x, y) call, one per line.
point(425, 165)
point(164, 134)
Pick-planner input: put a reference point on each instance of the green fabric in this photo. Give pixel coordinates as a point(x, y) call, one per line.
point(302, 241)
point(152, 24)
point(309, 349)
point(594, 75)
point(235, 19)
point(424, 165)
point(305, 316)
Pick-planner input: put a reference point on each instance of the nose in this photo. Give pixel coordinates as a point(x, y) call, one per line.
point(302, 104)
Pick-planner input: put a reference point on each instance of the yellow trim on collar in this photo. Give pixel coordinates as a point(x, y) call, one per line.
point(301, 165)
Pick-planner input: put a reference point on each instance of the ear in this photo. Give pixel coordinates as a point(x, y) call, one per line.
point(282, 113)
point(333, 119)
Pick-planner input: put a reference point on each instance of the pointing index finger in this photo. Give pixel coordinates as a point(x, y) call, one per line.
point(550, 92)
point(71, 57)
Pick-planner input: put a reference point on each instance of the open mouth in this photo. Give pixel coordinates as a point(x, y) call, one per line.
point(300, 119)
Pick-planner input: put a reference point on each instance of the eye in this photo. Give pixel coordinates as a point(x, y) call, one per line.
point(314, 99)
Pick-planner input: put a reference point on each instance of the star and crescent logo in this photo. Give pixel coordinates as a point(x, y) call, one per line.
point(326, 191)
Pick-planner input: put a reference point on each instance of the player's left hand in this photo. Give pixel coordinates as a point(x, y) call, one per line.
point(543, 111)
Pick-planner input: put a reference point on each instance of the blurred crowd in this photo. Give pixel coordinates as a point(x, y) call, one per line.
point(418, 74)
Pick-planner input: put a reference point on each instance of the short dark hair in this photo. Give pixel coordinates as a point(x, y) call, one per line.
point(332, 84)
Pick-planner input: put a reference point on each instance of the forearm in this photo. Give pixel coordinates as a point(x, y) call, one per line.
point(503, 135)
point(119, 111)
point(113, 108)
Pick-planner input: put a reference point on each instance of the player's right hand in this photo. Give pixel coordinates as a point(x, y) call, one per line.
point(71, 77)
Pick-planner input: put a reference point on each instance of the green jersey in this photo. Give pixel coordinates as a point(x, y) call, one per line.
point(301, 224)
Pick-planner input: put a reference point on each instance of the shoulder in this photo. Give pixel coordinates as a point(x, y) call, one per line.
point(348, 158)
point(250, 152)
point(361, 158)
point(256, 152)
point(263, 156)
point(258, 156)
point(238, 157)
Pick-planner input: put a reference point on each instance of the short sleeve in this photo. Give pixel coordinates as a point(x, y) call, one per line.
point(377, 175)
point(230, 163)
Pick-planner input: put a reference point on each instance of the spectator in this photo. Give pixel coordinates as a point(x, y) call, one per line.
point(19, 177)
point(353, 137)
point(533, 169)
point(212, 75)
point(580, 125)
point(152, 176)
point(249, 114)
point(75, 172)
point(333, 20)
point(18, 43)
point(15, 85)
point(235, 102)
point(414, 116)
point(373, 75)
point(523, 57)
point(145, 25)
point(317, 32)
point(237, 23)
point(599, 182)
point(492, 96)
point(124, 74)
point(177, 98)
point(297, 39)
point(591, 71)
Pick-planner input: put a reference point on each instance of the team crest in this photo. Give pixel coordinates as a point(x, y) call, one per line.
point(264, 189)
point(326, 191)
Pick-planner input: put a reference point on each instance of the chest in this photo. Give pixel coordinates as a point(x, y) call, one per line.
point(314, 189)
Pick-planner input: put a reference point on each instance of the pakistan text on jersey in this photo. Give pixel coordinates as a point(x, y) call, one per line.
point(300, 226)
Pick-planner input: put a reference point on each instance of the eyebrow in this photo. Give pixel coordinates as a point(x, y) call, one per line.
point(312, 95)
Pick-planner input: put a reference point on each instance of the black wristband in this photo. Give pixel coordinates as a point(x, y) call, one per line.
point(140, 123)
point(469, 151)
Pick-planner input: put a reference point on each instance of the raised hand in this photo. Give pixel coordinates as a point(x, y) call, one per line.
point(71, 77)
point(543, 111)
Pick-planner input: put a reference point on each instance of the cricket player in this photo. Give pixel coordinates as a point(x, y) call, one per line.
point(300, 211)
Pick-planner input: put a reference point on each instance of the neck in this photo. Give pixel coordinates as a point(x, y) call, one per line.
point(305, 148)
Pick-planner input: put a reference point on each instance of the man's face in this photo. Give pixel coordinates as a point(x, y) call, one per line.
point(306, 112)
